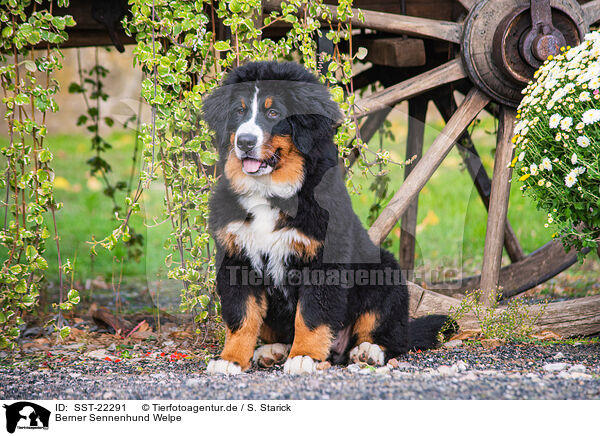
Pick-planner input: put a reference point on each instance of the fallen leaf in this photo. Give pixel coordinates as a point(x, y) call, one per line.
point(466, 334)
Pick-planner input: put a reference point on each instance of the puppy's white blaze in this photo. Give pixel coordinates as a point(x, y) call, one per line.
point(251, 127)
point(260, 239)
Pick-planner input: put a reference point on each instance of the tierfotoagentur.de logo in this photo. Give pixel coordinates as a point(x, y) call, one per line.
point(25, 415)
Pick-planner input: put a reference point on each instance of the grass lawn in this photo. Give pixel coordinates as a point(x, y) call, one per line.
point(451, 221)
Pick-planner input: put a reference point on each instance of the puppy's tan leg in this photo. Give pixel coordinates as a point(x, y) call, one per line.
point(310, 345)
point(240, 343)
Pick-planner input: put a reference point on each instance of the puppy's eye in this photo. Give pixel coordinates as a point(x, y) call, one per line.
point(241, 110)
point(272, 114)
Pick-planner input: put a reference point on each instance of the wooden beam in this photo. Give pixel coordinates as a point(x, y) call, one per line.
point(494, 237)
point(446, 73)
point(591, 12)
point(394, 52)
point(393, 23)
point(417, 112)
point(571, 318)
point(473, 103)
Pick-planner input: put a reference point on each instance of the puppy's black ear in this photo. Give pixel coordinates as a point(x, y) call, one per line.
point(310, 130)
point(216, 108)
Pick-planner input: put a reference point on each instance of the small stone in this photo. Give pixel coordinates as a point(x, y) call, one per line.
point(578, 368)
point(555, 367)
point(393, 362)
point(470, 376)
point(112, 348)
point(365, 371)
point(382, 370)
point(446, 370)
point(404, 366)
point(461, 365)
point(453, 344)
point(353, 368)
point(193, 382)
point(98, 354)
point(559, 355)
point(109, 395)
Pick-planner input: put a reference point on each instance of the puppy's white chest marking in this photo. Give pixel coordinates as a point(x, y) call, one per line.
point(259, 239)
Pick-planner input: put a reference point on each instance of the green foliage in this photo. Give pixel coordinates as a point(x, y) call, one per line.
point(185, 56)
point(557, 143)
point(28, 93)
point(512, 322)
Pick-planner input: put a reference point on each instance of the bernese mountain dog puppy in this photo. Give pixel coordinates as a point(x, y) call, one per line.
point(295, 266)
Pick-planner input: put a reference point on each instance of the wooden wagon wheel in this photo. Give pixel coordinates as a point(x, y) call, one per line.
point(497, 51)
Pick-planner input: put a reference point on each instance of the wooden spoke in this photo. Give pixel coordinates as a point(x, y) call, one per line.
point(481, 180)
point(494, 238)
point(591, 12)
point(473, 103)
point(467, 4)
point(446, 73)
point(393, 23)
point(417, 111)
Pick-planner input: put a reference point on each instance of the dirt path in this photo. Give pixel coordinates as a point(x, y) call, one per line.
point(559, 371)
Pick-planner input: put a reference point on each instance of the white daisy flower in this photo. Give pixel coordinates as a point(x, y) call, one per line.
point(521, 156)
point(594, 83)
point(555, 120)
point(584, 96)
point(546, 164)
point(571, 179)
point(566, 123)
point(591, 116)
point(583, 141)
point(574, 158)
point(580, 125)
point(533, 169)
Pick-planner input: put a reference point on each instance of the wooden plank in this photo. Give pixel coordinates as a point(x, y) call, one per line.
point(417, 112)
point(591, 12)
point(571, 318)
point(479, 175)
point(494, 238)
point(473, 103)
point(393, 23)
point(446, 73)
point(395, 52)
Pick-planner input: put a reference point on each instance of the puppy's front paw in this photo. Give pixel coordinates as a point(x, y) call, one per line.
point(368, 353)
point(221, 366)
point(299, 365)
point(270, 354)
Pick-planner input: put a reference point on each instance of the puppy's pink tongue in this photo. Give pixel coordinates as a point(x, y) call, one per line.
point(251, 165)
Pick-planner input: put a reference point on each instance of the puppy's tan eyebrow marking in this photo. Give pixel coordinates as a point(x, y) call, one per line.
point(243, 104)
point(268, 102)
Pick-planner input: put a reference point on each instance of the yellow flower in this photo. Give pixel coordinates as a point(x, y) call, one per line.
point(524, 177)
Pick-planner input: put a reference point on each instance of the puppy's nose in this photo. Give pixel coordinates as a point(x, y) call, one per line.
point(246, 141)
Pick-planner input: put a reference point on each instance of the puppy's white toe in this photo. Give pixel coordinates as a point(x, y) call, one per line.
point(368, 353)
point(270, 354)
point(299, 365)
point(221, 366)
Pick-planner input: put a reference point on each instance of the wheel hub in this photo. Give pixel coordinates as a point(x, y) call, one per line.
point(506, 41)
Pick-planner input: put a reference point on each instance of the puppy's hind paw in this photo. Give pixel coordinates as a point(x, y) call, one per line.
point(367, 353)
point(221, 366)
point(299, 365)
point(270, 354)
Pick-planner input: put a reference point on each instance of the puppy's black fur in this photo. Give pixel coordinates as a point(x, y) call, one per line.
point(320, 319)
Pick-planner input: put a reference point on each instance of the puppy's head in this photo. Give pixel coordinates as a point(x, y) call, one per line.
point(270, 119)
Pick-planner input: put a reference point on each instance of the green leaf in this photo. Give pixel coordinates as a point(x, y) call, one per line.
point(222, 46)
point(64, 332)
point(73, 296)
point(45, 155)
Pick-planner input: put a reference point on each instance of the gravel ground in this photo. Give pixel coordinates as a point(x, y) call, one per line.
point(559, 371)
